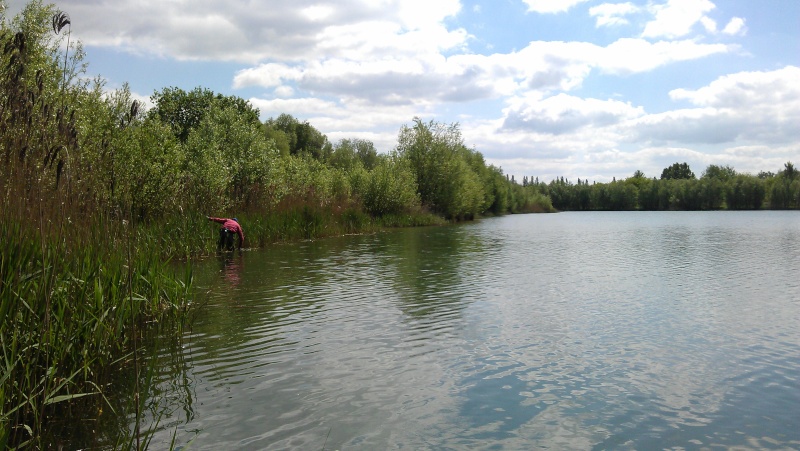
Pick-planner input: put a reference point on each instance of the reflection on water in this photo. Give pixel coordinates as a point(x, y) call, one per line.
point(571, 331)
point(231, 270)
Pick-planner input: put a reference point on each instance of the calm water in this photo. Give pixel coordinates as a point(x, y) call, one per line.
point(630, 330)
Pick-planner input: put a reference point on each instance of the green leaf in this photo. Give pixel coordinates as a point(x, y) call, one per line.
point(61, 398)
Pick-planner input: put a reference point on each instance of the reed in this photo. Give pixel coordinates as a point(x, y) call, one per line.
point(71, 304)
point(412, 219)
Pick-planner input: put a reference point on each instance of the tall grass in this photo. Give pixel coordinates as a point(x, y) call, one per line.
point(301, 222)
point(72, 302)
point(189, 234)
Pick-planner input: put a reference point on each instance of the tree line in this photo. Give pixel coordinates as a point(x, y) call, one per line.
point(719, 187)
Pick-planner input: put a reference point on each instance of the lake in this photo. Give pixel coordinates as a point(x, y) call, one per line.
point(590, 330)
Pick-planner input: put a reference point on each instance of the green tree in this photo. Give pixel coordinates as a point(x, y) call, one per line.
point(279, 138)
point(366, 153)
point(228, 160)
point(389, 188)
point(648, 195)
point(687, 194)
point(712, 193)
point(789, 171)
point(744, 192)
point(437, 155)
point(721, 173)
point(783, 188)
point(343, 155)
point(349, 152)
point(498, 187)
point(285, 123)
point(183, 111)
point(560, 192)
point(148, 170)
point(302, 137)
point(311, 142)
point(40, 119)
point(677, 171)
point(622, 196)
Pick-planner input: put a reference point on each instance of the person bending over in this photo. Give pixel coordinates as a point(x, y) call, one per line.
point(230, 227)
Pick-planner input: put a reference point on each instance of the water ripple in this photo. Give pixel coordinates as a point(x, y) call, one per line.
point(568, 331)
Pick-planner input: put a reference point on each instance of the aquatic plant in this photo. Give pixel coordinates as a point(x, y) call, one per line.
point(69, 310)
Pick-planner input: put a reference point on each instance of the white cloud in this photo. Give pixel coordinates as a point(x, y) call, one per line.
point(543, 67)
point(267, 75)
point(560, 135)
point(243, 32)
point(389, 52)
point(421, 14)
point(676, 18)
point(564, 135)
point(284, 92)
point(562, 114)
point(736, 27)
point(376, 122)
point(745, 107)
point(317, 13)
point(551, 6)
point(301, 107)
point(709, 24)
point(776, 90)
point(697, 126)
point(630, 55)
point(613, 14)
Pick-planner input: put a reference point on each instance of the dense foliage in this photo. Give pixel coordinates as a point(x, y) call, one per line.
point(677, 171)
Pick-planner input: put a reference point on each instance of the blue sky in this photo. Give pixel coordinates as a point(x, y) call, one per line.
point(542, 88)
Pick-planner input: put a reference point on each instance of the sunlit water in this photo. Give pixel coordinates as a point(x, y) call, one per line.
point(569, 331)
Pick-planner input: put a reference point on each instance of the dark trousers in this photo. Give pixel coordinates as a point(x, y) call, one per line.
point(225, 240)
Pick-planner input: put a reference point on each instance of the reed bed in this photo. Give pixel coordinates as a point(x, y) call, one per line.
point(71, 307)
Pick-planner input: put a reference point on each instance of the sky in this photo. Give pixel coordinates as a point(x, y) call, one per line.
point(542, 88)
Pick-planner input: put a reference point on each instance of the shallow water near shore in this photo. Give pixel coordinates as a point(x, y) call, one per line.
point(618, 330)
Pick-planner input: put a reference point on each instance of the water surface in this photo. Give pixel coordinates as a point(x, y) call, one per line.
point(624, 330)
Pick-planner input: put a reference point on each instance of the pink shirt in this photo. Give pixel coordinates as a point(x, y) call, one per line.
point(231, 225)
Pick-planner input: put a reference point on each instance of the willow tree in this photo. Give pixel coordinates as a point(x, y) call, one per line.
point(447, 184)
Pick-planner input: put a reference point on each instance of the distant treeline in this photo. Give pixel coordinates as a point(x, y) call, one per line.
point(719, 187)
